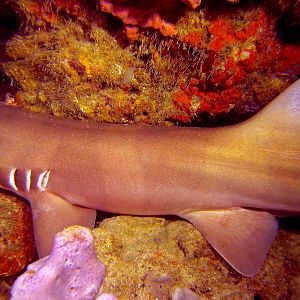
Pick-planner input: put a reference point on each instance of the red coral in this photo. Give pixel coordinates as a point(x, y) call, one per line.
point(140, 14)
point(37, 8)
point(132, 33)
point(222, 34)
point(228, 73)
point(216, 102)
point(289, 61)
point(182, 101)
point(195, 39)
point(208, 101)
point(235, 50)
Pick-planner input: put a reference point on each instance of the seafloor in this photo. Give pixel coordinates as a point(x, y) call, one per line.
point(171, 63)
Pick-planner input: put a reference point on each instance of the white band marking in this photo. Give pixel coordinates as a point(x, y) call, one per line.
point(28, 180)
point(12, 181)
point(43, 180)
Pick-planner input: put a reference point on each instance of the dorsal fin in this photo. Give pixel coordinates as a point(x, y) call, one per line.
point(241, 236)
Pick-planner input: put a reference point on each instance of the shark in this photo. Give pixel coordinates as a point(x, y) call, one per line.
point(230, 182)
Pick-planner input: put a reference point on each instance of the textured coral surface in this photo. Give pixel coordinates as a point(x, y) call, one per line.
point(16, 237)
point(17, 247)
point(219, 62)
point(147, 258)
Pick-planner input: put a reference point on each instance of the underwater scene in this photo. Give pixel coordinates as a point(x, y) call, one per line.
point(149, 149)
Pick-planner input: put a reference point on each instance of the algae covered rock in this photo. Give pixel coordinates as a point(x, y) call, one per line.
point(223, 59)
point(17, 248)
point(79, 73)
point(16, 234)
point(148, 258)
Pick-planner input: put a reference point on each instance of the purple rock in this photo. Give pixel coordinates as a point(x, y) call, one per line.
point(185, 294)
point(71, 271)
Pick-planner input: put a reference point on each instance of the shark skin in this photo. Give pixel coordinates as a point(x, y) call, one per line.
point(229, 182)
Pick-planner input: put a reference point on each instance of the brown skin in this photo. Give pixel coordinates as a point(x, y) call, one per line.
point(152, 170)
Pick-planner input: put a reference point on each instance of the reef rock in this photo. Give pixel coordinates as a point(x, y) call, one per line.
point(147, 13)
point(16, 235)
point(150, 258)
point(184, 294)
point(72, 271)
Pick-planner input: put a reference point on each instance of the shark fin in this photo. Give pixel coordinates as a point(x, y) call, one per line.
point(241, 236)
point(51, 214)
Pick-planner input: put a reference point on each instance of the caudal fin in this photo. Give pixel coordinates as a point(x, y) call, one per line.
point(267, 149)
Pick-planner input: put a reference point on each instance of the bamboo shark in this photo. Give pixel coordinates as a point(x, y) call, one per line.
point(230, 182)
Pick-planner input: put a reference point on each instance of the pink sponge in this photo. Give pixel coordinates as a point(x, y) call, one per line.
point(71, 271)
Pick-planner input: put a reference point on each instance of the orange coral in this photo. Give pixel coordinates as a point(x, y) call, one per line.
point(139, 14)
point(236, 48)
point(289, 60)
point(195, 39)
point(222, 34)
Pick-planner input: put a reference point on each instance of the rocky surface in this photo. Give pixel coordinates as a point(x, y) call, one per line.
point(16, 234)
point(17, 247)
point(148, 258)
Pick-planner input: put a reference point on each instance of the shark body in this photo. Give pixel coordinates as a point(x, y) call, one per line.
point(229, 182)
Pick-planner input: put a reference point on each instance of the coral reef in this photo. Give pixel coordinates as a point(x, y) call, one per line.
point(17, 247)
point(97, 78)
point(43, 13)
point(16, 238)
point(243, 54)
point(214, 63)
point(73, 59)
point(72, 271)
point(148, 258)
point(149, 14)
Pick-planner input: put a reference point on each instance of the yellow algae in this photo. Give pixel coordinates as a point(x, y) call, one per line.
point(86, 74)
point(193, 21)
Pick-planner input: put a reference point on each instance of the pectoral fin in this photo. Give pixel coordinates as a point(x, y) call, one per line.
point(51, 214)
point(241, 236)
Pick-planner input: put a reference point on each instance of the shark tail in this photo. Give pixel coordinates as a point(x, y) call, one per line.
point(270, 142)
